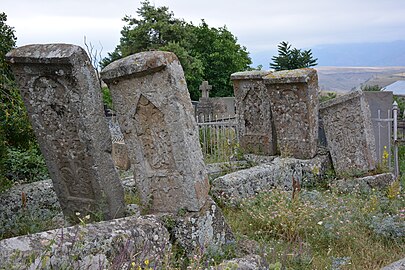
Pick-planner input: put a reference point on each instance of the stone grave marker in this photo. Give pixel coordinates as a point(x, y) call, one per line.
point(294, 105)
point(155, 113)
point(349, 133)
point(205, 89)
point(62, 96)
point(253, 110)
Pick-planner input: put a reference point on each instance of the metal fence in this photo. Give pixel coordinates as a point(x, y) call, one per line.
point(389, 133)
point(219, 139)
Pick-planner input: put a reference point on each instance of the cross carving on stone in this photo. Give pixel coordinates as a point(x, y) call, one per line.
point(205, 89)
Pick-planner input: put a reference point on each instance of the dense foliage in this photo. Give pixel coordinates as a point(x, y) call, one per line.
point(291, 58)
point(206, 53)
point(15, 130)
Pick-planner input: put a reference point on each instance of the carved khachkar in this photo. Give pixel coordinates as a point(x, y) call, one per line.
point(62, 96)
point(294, 105)
point(349, 133)
point(255, 122)
point(155, 113)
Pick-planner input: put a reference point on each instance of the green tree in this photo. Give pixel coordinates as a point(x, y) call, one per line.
point(371, 88)
point(291, 58)
point(205, 53)
point(15, 129)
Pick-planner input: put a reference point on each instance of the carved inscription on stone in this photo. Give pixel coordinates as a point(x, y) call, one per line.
point(58, 117)
point(253, 111)
point(294, 104)
point(349, 134)
point(152, 130)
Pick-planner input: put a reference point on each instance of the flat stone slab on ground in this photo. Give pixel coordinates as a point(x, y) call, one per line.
point(205, 230)
point(230, 189)
point(364, 184)
point(105, 245)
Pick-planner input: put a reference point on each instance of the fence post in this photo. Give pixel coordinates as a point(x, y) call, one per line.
point(395, 116)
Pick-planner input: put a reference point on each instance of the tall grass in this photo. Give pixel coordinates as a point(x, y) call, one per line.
point(323, 229)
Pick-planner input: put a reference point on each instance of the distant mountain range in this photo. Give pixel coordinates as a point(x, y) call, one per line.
point(342, 67)
point(349, 55)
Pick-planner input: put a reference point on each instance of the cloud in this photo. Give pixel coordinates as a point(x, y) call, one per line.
point(258, 24)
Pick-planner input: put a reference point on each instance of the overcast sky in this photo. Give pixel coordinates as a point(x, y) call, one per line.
point(258, 24)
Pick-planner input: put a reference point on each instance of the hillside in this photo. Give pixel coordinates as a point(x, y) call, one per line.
point(343, 79)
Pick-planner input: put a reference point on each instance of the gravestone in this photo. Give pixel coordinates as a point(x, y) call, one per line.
point(253, 110)
point(349, 133)
point(154, 110)
point(294, 104)
point(380, 103)
point(62, 96)
point(205, 89)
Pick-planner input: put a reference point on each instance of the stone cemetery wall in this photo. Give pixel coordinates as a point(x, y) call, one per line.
point(155, 113)
point(349, 133)
point(381, 101)
point(255, 122)
point(294, 104)
point(62, 96)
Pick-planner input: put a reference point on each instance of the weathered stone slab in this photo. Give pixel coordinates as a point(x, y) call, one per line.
point(349, 133)
point(62, 96)
point(398, 265)
point(205, 230)
point(364, 184)
point(294, 105)
point(120, 156)
point(380, 103)
point(154, 110)
point(249, 262)
point(111, 244)
point(256, 127)
point(232, 188)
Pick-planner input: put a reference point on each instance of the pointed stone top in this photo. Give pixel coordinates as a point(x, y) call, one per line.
point(341, 99)
point(139, 64)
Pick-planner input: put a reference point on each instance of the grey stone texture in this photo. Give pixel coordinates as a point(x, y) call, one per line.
point(349, 133)
point(249, 262)
point(201, 231)
point(155, 113)
point(255, 122)
point(294, 104)
point(41, 203)
point(364, 184)
point(232, 188)
point(111, 244)
point(398, 265)
point(120, 156)
point(62, 96)
point(380, 103)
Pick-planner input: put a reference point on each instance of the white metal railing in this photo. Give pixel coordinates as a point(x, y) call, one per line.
point(219, 139)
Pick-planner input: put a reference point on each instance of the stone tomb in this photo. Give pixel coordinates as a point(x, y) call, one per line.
point(62, 96)
point(155, 113)
point(294, 105)
point(255, 123)
point(349, 133)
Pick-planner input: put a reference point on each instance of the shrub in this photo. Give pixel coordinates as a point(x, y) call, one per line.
point(25, 166)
